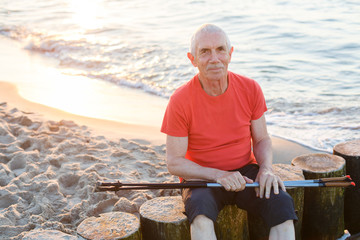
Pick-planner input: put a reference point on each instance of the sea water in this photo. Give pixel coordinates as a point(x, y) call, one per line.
point(304, 54)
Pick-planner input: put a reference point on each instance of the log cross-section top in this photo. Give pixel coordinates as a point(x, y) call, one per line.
point(351, 148)
point(163, 209)
point(319, 163)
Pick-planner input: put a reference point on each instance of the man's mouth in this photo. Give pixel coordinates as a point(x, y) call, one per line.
point(214, 68)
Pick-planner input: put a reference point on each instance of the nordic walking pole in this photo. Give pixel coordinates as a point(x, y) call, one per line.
point(325, 182)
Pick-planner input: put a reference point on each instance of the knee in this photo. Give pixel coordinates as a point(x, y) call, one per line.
point(202, 228)
point(202, 223)
point(283, 230)
point(285, 225)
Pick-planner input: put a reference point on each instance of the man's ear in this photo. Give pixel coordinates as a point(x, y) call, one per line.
point(231, 51)
point(192, 59)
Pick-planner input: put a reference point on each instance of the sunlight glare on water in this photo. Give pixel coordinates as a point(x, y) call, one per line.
point(87, 14)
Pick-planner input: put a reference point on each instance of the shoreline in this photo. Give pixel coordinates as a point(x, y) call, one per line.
point(111, 129)
point(40, 79)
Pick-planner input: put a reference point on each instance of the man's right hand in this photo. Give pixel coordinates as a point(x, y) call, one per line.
point(233, 181)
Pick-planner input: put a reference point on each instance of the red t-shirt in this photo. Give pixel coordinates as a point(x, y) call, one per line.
point(218, 128)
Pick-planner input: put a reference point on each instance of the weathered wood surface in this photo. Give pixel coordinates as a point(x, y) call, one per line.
point(162, 218)
point(112, 225)
point(40, 234)
point(350, 151)
point(232, 224)
point(257, 228)
point(323, 216)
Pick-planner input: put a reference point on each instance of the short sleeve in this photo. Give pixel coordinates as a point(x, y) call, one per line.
point(175, 121)
point(259, 106)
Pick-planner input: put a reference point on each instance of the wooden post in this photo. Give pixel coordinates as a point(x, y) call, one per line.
point(350, 151)
point(232, 224)
point(162, 218)
point(112, 225)
point(323, 216)
point(257, 228)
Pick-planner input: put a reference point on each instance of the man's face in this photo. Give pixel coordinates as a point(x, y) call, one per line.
point(212, 56)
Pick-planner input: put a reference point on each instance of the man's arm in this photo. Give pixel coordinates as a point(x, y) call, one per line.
point(262, 148)
point(178, 165)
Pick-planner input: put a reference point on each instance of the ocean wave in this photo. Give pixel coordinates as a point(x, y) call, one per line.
point(330, 110)
point(151, 89)
point(137, 67)
point(14, 32)
point(321, 129)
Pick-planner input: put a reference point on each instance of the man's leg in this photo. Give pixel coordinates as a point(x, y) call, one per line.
point(283, 231)
point(277, 212)
point(202, 228)
point(202, 206)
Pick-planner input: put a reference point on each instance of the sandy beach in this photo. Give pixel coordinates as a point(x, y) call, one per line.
point(50, 162)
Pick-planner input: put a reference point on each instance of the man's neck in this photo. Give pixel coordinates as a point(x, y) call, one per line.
point(214, 87)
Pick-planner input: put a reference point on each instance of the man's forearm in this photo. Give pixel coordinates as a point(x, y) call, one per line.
point(263, 153)
point(189, 170)
point(179, 166)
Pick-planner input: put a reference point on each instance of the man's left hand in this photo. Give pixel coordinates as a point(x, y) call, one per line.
point(268, 180)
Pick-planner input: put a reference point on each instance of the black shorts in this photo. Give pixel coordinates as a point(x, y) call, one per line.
point(209, 201)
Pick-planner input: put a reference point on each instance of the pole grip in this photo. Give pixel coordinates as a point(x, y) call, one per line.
point(339, 184)
point(336, 179)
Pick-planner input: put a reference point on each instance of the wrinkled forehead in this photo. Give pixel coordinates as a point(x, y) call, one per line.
point(208, 40)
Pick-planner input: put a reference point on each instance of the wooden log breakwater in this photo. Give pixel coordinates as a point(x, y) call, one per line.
point(323, 216)
point(162, 218)
point(320, 210)
point(350, 151)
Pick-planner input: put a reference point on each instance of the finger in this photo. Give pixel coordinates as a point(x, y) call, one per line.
point(257, 189)
point(276, 186)
point(282, 185)
point(238, 181)
point(269, 184)
point(224, 184)
point(257, 192)
point(239, 187)
point(262, 188)
point(228, 186)
point(232, 186)
point(248, 180)
point(243, 183)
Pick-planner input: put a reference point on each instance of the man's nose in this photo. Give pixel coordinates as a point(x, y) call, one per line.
point(214, 56)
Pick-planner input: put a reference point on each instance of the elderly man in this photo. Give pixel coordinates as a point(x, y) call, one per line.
point(216, 132)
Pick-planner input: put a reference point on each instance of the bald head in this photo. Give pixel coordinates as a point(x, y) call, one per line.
point(206, 28)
